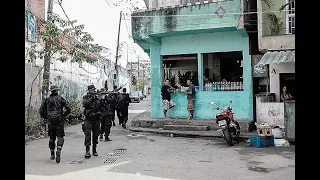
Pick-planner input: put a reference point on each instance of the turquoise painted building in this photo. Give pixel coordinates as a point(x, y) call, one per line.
point(210, 27)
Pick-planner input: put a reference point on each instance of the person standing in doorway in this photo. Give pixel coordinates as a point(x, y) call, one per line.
point(166, 98)
point(285, 95)
point(51, 111)
point(190, 97)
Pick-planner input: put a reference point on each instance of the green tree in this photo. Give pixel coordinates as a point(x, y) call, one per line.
point(139, 84)
point(67, 39)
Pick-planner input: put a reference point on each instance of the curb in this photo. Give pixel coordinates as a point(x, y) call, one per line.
point(183, 133)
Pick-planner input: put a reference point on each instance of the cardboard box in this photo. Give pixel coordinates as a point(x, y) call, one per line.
point(264, 131)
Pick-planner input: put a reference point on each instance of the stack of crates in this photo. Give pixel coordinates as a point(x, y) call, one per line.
point(264, 138)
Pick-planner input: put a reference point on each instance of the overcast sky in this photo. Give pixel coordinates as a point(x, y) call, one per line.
point(101, 20)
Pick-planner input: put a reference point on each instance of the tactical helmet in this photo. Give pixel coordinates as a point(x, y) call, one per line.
point(91, 87)
point(54, 88)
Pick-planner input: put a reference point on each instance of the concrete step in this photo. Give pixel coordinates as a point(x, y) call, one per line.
point(160, 123)
point(186, 128)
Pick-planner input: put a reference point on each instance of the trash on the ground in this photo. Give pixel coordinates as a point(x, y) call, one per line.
point(263, 124)
point(277, 133)
point(248, 141)
point(160, 128)
point(138, 173)
point(171, 135)
point(219, 130)
point(133, 134)
point(281, 143)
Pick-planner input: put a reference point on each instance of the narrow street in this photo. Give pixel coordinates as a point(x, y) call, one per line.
point(146, 156)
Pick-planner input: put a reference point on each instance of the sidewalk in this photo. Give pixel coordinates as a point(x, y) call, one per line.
point(144, 123)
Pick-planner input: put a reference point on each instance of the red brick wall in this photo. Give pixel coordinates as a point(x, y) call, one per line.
point(36, 7)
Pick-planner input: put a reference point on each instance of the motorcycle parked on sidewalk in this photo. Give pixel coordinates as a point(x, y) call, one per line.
point(229, 126)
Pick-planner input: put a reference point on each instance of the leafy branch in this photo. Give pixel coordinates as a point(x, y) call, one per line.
point(67, 39)
point(275, 23)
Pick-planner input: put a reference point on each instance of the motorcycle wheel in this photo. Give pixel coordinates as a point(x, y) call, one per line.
point(228, 136)
point(237, 134)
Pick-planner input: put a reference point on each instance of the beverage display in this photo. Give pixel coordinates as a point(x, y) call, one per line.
point(224, 86)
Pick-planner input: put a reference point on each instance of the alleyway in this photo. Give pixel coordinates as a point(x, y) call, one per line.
point(149, 156)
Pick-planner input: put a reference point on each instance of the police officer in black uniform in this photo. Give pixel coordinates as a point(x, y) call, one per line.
point(92, 112)
point(123, 104)
point(106, 121)
point(52, 112)
point(114, 106)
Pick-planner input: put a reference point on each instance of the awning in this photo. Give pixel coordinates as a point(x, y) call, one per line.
point(276, 57)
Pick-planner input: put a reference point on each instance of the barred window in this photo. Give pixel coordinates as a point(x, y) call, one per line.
point(291, 25)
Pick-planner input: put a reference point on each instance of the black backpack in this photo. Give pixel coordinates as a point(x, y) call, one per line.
point(123, 100)
point(54, 109)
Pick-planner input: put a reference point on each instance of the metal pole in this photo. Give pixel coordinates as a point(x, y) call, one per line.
point(138, 66)
point(47, 58)
point(117, 52)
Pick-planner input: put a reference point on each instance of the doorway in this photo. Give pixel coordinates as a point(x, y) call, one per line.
point(289, 80)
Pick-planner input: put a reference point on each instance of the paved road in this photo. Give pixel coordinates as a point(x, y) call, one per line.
point(143, 156)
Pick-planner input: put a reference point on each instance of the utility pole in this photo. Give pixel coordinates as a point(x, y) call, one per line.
point(47, 58)
point(138, 66)
point(117, 52)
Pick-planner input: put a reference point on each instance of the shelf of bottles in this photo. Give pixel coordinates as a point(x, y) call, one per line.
point(224, 86)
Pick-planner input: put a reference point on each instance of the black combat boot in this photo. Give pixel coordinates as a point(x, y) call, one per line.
point(107, 139)
point(87, 155)
point(101, 137)
point(124, 126)
point(113, 123)
point(94, 150)
point(58, 153)
point(52, 157)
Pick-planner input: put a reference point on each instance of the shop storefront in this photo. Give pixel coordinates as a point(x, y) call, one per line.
point(219, 65)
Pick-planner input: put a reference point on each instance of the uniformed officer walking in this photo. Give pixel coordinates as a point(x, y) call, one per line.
point(92, 112)
point(114, 107)
point(52, 112)
point(106, 122)
point(123, 104)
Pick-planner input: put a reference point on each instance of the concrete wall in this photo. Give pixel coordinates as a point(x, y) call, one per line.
point(163, 3)
point(197, 17)
point(202, 43)
point(72, 79)
point(281, 42)
point(275, 79)
point(262, 7)
point(270, 112)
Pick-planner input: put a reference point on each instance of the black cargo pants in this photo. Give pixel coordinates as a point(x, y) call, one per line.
point(56, 130)
point(106, 124)
point(91, 125)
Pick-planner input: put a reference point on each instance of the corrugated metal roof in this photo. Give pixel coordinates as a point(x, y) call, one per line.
point(276, 57)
